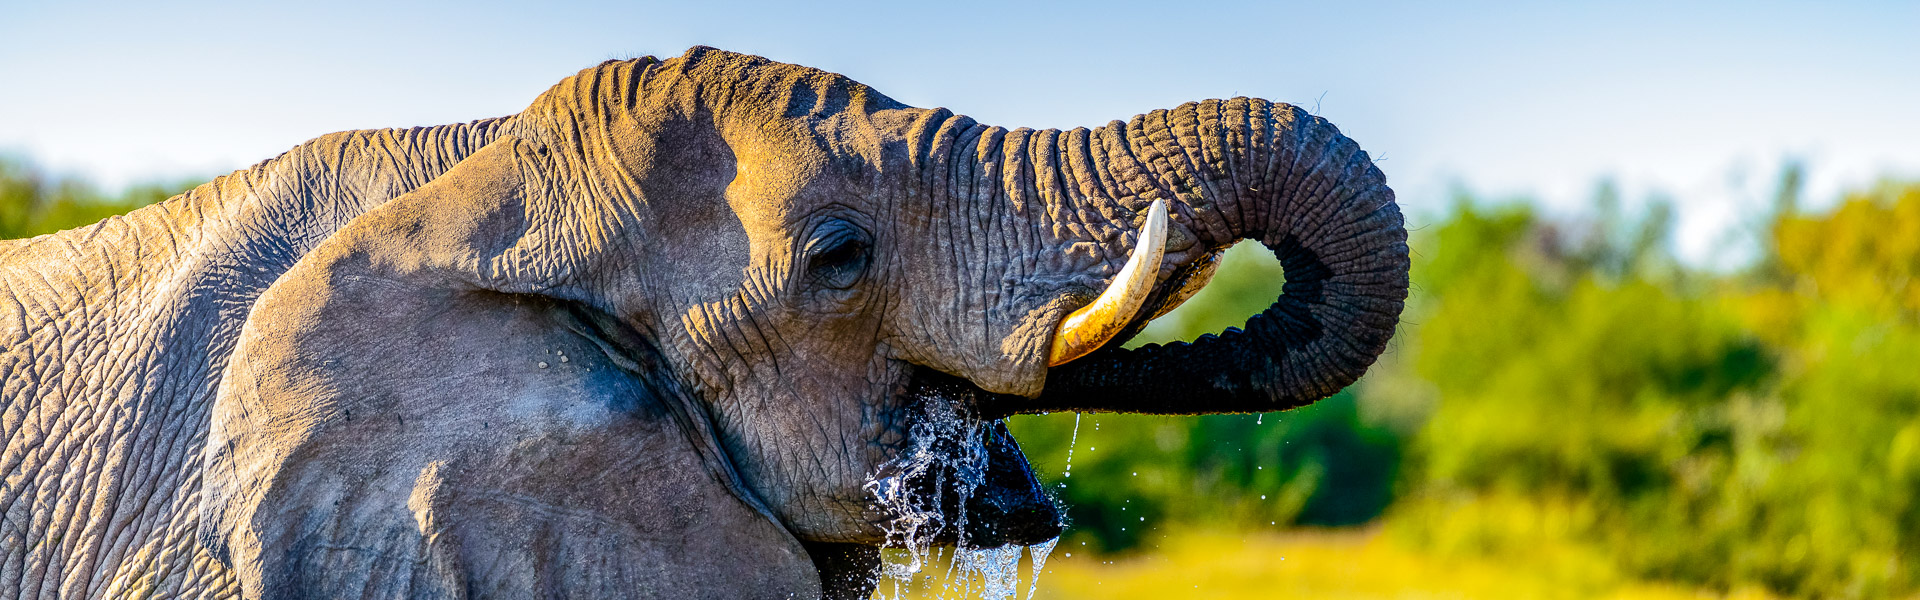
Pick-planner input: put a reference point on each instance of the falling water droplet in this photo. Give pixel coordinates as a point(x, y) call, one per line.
point(1074, 439)
point(1039, 554)
point(998, 569)
point(944, 442)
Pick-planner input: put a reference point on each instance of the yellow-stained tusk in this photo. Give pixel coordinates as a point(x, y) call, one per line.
point(1091, 326)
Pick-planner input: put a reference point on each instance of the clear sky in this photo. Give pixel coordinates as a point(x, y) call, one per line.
point(1699, 103)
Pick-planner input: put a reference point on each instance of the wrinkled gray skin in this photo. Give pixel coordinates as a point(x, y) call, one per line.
point(645, 339)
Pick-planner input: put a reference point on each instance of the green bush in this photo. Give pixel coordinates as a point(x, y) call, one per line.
point(33, 202)
point(1324, 464)
point(1571, 382)
point(1726, 429)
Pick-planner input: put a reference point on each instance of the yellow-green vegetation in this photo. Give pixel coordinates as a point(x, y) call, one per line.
point(1351, 563)
point(33, 202)
point(1569, 387)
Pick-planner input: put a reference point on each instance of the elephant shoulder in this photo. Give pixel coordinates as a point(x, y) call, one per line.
point(378, 435)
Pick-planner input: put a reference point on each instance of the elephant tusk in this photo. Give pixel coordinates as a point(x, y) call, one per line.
point(1091, 326)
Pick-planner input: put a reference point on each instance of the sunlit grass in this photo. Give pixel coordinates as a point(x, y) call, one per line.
point(1348, 563)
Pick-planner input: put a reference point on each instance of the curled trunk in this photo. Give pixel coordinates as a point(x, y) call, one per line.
point(1247, 169)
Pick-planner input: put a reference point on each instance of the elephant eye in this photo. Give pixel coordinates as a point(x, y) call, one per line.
point(838, 255)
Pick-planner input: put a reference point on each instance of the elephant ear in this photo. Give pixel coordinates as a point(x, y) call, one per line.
point(402, 417)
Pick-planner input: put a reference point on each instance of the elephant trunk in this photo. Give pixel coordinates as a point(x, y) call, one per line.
point(1246, 169)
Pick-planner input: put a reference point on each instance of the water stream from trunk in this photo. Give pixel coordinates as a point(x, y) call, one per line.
point(946, 445)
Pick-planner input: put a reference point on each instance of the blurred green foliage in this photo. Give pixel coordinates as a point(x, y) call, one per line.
point(1569, 381)
point(33, 202)
point(1319, 465)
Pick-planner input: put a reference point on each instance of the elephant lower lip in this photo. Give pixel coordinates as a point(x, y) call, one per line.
point(978, 490)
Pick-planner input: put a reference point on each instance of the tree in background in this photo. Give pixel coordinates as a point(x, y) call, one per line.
point(1570, 384)
point(33, 202)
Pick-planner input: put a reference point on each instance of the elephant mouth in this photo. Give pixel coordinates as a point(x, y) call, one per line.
point(961, 479)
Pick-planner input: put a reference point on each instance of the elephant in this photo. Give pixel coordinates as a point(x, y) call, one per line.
point(713, 326)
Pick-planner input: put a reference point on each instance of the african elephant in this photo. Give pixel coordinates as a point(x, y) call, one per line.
point(671, 331)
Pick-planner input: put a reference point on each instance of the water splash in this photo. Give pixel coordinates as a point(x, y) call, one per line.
point(943, 442)
point(1039, 553)
point(997, 568)
point(946, 446)
point(1071, 442)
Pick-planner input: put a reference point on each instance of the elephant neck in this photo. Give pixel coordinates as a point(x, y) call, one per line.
point(124, 328)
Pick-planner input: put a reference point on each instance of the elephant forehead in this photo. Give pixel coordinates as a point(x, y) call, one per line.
point(791, 165)
point(772, 183)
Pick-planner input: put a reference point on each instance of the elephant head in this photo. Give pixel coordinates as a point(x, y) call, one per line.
point(691, 322)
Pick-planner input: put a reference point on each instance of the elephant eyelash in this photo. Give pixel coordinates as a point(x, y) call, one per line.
point(838, 259)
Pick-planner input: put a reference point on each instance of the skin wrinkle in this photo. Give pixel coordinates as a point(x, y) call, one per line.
point(1112, 187)
point(1330, 191)
point(1066, 216)
point(1287, 141)
point(1095, 192)
point(962, 200)
point(1236, 141)
point(1174, 138)
point(1187, 212)
point(994, 251)
point(1050, 185)
point(1193, 120)
point(1012, 180)
point(1179, 172)
point(969, 200)
point(1284, 164)
point(1129, 147)
point(936, 173)
point(1089, 154)
point(953, 240)
point(1317, 186)
point(982, 203)
point(1024, 179)
point(1323, 222)
point(1085, 187)
point(1218, 177)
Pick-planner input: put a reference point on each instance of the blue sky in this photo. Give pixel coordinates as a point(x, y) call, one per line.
point(1699, 103)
